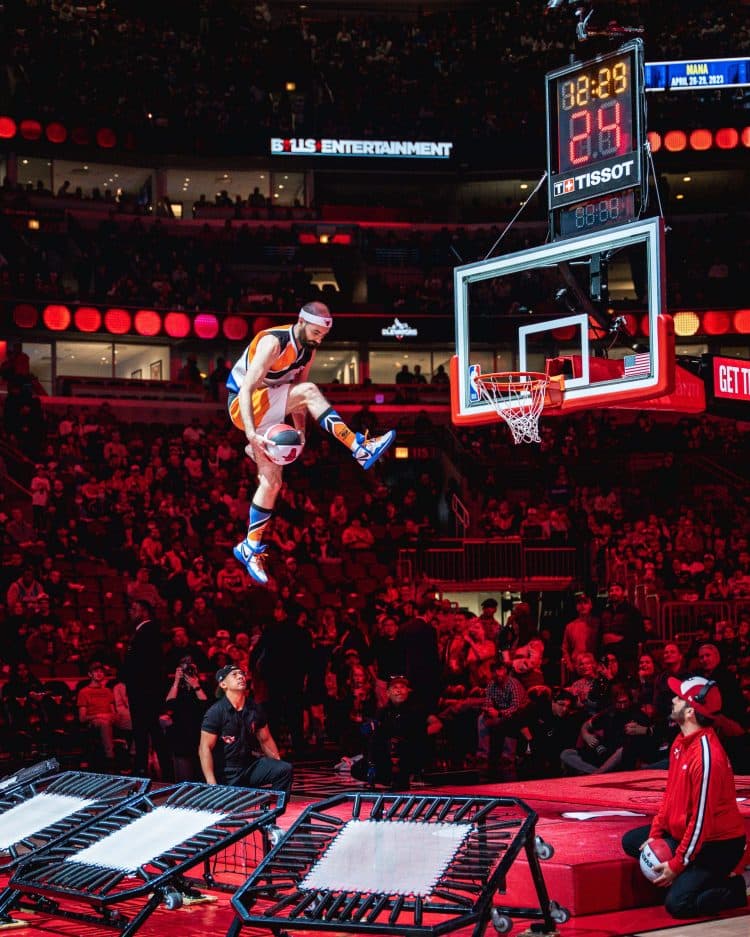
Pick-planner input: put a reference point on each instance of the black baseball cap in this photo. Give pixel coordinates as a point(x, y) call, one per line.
point(224, 672)
point(489, 603)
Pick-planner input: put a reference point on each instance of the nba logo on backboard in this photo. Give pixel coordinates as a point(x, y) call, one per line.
point(474, 395)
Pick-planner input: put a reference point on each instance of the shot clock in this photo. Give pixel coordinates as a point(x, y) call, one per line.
point(595, 130)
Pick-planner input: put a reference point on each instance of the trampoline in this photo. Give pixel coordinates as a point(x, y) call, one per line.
point(137, 853)
point(398, 864)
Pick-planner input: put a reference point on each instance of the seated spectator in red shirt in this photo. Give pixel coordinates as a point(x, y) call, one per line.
point(96, 709)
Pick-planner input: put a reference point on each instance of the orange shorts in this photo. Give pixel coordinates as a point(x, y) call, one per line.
point(269, 407)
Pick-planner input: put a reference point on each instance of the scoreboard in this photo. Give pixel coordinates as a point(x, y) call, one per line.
point(595, 142)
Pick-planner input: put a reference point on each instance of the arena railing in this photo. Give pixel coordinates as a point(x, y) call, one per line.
point(508, 561)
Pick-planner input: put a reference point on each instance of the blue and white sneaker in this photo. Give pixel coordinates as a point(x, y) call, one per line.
point(253, 560)
point(368, 451)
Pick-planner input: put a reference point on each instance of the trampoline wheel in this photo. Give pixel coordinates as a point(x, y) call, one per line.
point(274, 834)
point(543, 850)
point(172, 899)
point(501, 922)
point(558, 914)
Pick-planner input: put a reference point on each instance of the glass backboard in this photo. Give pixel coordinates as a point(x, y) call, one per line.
point(590, 309)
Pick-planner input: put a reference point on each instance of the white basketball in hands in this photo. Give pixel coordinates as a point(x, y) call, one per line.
point(654, 853)
point(283, 443)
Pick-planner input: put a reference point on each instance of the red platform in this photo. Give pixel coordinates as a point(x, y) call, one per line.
point(589, 873)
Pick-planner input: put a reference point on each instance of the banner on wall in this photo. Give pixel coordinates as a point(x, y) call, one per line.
point(401, 149)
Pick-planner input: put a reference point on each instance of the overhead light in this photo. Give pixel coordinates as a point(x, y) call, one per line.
point(25, 162)
point(524, 185)
point(687, 178)
point(290, 86)
point(679, 196)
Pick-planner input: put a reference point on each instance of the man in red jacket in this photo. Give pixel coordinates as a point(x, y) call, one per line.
point(698, 815)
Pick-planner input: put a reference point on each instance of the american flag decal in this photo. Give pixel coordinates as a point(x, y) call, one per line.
point(636, 365)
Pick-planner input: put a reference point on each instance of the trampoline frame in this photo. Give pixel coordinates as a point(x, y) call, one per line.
point(502, 827)
point(45, 881)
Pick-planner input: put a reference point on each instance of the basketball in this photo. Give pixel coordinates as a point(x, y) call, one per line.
point(652, 854)
point(283, 443)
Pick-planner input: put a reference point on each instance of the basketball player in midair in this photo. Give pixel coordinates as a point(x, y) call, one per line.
point(268, 382)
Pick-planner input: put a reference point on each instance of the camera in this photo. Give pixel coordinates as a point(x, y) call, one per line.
point(188, 668)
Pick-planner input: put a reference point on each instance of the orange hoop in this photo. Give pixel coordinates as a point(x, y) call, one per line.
point(518, 397)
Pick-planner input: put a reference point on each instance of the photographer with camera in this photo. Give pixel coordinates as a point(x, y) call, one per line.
point(187, 703)
point(604, 736)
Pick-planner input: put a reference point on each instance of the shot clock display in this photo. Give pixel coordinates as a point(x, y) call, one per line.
point(595, 118)
point(595, 214)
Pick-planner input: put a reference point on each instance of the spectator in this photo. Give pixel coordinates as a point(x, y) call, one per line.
point(96, 709)
point(581, 635)
point(504, 714)
point(604, 737)
point(187, 702)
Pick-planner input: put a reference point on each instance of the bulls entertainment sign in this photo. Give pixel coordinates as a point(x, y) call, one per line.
point(401, 149)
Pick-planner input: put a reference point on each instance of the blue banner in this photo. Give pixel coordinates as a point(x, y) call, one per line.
point(698, 75)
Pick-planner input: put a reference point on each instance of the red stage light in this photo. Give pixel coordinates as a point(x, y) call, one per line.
point(654, 139)
point(345, 239)
point(675, 141)
point(742, 321)
point(177, 324)
point(306, 238)
point(235, 328)
point(701, 139)
point(30, 129)
point(716, 322)
point(262, 323)
point(7, 128)
point(727, 138)
point(117, 321)
point(147, 322)
point(106, 138)
point(26, 316)
point(206, 325)
point(56, 318)
point(745, 136)
point(56, 133)
point(87, 319)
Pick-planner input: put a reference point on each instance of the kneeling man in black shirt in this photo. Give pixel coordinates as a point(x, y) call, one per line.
point(234, 733)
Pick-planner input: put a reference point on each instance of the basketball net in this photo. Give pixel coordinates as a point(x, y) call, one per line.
point(518, 397)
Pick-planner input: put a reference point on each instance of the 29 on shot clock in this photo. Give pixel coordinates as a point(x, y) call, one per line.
point(595, 129)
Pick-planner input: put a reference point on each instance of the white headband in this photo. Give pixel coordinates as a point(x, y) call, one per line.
point(325, 321)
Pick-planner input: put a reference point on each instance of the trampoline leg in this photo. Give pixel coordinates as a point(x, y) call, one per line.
point(235, 927)
point(9, 898)
point(539, 884)
point(151, 905)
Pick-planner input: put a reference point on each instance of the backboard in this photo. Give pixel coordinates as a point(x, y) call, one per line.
point(591, 308)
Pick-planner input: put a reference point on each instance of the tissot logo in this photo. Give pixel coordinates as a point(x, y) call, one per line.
point(596, 178)
point(564, 186)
